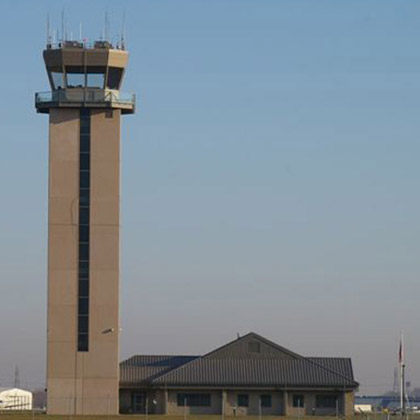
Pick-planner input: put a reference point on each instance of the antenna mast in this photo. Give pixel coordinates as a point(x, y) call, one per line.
point(62, 26)
point(106, 27)
point(123, 32)
point(402, 374)
point(48, 30)
point(17, 378)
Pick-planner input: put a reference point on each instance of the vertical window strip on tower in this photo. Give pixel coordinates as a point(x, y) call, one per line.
point(84, 231)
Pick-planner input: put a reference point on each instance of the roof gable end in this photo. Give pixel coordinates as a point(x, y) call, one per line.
point(251, 346)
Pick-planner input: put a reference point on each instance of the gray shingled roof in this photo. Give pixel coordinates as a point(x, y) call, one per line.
point(230, 365)
point(260, 372)
point(144, 368)
point(340, 365)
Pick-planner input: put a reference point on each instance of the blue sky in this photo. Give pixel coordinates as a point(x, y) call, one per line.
point(269, 183)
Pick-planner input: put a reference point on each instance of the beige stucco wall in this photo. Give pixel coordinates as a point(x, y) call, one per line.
point(83, 382)
point(348, 403)
point(62, 258)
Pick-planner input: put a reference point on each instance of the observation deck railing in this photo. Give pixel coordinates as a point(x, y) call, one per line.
point(85, 97)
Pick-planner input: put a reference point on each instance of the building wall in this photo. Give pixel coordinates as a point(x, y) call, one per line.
point(282, 403)
point(62, 258)
point(83, 382)
point(348, 405)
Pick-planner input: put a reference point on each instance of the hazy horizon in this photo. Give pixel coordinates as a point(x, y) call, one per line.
point(269, 178)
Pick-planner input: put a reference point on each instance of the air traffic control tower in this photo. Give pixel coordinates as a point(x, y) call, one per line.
point(85, 107)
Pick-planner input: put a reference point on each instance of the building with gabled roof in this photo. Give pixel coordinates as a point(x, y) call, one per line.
point(248, 376)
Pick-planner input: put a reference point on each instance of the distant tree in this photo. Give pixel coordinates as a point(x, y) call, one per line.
point(390, 394)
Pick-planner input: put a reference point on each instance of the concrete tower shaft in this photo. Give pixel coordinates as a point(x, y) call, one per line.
point(84, 107)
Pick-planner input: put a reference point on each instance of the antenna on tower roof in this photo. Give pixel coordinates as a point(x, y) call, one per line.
point(48, 30)
point(106, 27)
point(62, 26)
point(123, 32)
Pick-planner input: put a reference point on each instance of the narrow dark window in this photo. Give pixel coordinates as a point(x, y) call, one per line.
point(83, 324)
point(84, 269)
point(243, 400)
point(194, 400)
point(325, 401)
point(84, 198)
point(84, 162)
point(84, 228)
point(265, 400)
point(114, 77)
point(298, 401)
point(84, 233)
point(83, 288)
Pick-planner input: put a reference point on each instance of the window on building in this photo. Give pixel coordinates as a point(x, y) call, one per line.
point(57, 79)
point(265, 400)
point(84, 188)
point(83, 269)
point(84, 233)
point(114, 77)
point(83, 305)
point(139, 403)
point(84, 179)
point(254, 347)
point(84, 219)
point(325, 401)
point(298, 400)
point(84, 162)
point(84, 250)
point(194, 400)
point(83, 341)
point(96, 77)
point(243, 400)
point(83, 324)
point(83, 287)
point(75, 76)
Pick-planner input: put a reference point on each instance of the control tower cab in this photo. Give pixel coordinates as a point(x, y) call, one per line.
point(83, 75)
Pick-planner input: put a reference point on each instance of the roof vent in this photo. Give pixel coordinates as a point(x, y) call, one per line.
point(254, 347)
